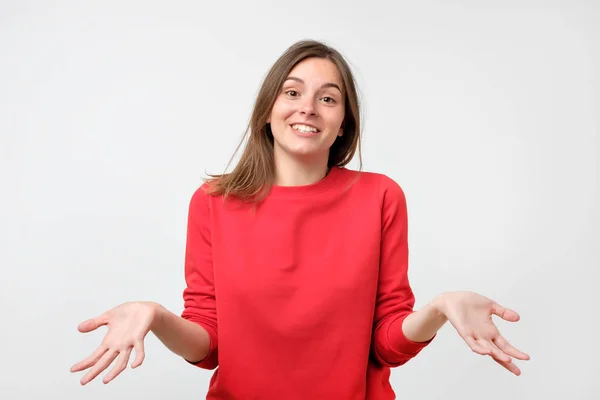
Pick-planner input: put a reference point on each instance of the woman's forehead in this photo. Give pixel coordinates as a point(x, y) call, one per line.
point(316, 71)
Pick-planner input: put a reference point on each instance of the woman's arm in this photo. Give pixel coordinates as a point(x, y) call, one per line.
point(422, 325)
point(193, 335)
point(400, 333)
point(183, 337)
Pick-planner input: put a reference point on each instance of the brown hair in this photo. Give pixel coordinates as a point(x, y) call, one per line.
point(254, 174)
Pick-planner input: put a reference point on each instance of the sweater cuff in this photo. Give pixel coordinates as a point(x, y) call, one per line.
point(400, 343)
point(208, 361)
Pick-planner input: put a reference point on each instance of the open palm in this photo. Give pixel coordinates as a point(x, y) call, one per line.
point(471, 315)
point(128, 324)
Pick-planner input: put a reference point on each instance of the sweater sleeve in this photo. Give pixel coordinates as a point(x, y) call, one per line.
point(199, 294)
point(395, 299)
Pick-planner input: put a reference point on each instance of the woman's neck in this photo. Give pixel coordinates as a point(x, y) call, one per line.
point(294, 172)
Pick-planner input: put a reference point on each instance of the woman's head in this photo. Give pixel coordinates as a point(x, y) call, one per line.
point(311, 84)
point(307, 116)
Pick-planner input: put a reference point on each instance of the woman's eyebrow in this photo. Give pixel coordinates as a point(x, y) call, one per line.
point(325, 85)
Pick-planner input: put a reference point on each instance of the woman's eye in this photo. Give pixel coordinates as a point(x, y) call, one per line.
point(329, 100)
point(292, 93)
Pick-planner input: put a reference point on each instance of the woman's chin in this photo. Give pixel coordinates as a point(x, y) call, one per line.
point(304, 150)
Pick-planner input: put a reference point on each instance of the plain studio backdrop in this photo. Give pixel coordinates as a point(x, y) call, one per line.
point(485, 112)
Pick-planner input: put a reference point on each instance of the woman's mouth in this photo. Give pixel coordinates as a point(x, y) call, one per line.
point(305, 130)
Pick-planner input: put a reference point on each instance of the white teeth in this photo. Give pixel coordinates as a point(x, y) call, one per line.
point(304, 128)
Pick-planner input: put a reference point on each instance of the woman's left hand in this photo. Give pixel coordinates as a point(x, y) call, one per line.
point(471, 315)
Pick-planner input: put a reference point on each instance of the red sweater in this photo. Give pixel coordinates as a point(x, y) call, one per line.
point(303, 296)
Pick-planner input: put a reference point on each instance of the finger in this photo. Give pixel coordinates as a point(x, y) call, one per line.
point(119, 366)
point(140, 354)
point(90, 360)
point(476, 347)
point(509, 349)
point(509, 366)
point(496, 353)
point(505, 313)
point(100, 366)
point(92, 324)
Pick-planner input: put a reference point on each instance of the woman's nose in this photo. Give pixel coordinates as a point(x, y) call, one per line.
point(307, 107)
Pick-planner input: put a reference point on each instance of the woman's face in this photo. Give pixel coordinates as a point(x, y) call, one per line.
point(309, 110)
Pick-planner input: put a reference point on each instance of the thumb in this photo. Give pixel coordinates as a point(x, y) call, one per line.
point(91, 324)
point(505, 313)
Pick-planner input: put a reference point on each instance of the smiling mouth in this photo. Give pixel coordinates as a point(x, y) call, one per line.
point(305, 130)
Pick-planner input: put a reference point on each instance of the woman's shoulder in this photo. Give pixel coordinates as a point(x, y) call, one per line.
point(364, 182)
point(379, 181)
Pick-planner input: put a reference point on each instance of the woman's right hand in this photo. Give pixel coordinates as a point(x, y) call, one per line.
point(128, 324)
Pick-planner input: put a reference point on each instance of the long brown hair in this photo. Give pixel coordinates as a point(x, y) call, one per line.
point(255, 173)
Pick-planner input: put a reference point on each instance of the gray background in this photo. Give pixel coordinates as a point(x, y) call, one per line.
point(485, 112)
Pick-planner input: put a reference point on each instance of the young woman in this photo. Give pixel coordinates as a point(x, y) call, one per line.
point(296, 266)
